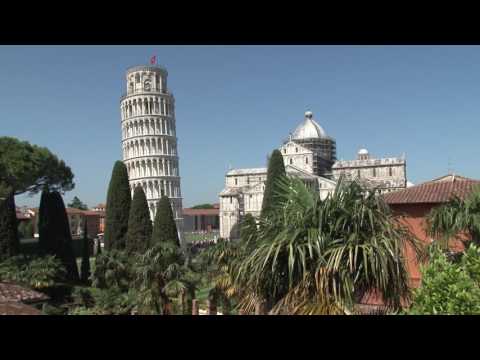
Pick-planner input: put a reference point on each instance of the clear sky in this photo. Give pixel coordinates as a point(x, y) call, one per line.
point(235, 104)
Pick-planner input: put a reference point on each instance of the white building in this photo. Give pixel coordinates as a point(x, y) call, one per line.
point(309, 154)
point(149, 141)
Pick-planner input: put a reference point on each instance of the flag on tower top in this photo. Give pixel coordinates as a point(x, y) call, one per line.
point(153, 59)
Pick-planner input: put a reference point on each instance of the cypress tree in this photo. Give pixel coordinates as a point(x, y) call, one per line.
point(85, 268)
point(46, 240)
point(54, 232)
point(118, 208)
point(276, 170)
point(9, 242)
point(63, 236)
point(139, 223)
point(164, 226)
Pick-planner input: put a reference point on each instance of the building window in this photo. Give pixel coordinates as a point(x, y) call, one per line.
point(389, 171)
point(306, 160)
point(236, 181)
point(291, 161)
point(248, 180)
point(284, 151)
point(296, 150)
point(374, 172)
point(358, 172)
point(231, 199)
point(137, 78)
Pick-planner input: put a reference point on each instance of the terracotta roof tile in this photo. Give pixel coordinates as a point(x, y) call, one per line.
point(207, 212)
point(15, 293)
point(436, 191)
point(15, 308)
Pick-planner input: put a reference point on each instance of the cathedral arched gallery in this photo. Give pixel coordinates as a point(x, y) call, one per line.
point(310, 154)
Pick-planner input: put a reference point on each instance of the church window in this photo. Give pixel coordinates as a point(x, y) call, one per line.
point(284, 151)
point(374, 172)
point(291, 161)
point(231, 199)
point(389, 171)
point(296, 150)
point(236, 181)
point(137, 78)
point(248, 180)
point(306, 160)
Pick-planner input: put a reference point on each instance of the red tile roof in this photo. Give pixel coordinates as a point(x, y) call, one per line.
point(440, 190)
point(15, 293)
point(15, 308)
point(206, 212)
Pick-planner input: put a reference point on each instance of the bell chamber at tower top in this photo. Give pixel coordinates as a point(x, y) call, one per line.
point(146, 79)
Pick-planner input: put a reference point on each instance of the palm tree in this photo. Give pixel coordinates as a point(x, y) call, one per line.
point(456, 217)
point(322, 257)
point(158, 280)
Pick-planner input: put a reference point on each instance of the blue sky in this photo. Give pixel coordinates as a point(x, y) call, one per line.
point(235, 104)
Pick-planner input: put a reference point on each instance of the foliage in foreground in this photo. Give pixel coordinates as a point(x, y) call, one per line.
point(449, 287)
point(36, 272)
point(456, 217)
point(152, 282)
point(321, 257)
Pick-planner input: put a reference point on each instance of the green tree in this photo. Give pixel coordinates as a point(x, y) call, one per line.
point(276, 170)
point(54, 231)
point(118, 208)
point(203, 206)
point(85, 267)
point(139, 224)
point(248, 229)
point(321, 257)
point(456, 217)
point(9, 241)
point(164, 227)
point(448, 288)
point(77, 204)
point(28, 168)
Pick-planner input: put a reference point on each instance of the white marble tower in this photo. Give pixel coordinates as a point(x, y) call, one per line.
point(149, 141)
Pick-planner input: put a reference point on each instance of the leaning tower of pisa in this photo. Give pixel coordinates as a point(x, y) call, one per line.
point(149, 139)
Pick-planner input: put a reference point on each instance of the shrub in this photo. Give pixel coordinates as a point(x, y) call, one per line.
point(35, 272)
point(449, 288)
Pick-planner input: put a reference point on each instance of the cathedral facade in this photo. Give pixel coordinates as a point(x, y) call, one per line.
point(309, 154)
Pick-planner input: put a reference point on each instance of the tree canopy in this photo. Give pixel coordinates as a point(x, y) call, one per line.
point(203, 206)
point(77, 204)
point(28, 168)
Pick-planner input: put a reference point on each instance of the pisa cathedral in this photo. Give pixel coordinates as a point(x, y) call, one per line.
point(310, 154)
point(149, 141)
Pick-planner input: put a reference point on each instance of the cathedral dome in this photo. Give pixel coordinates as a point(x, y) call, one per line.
point(309, 129)
point(363, 152)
